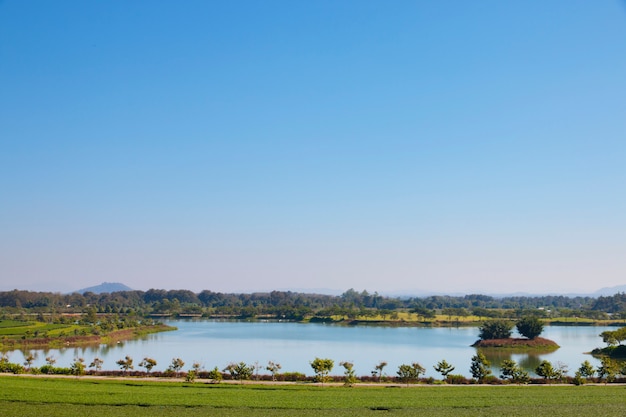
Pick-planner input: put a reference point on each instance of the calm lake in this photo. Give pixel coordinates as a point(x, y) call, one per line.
point(294, 345)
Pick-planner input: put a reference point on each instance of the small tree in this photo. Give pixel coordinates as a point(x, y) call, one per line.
point(29, 360)
point(511, 371)
point(148, 363)
point(96, 363)
point(495, 329)
point(530, 327)
point(240, 371)
point(378, 370)
point(444, 368)
point(274, 368)
point(608, 369)
point(480, 367)
point(614, 337)
point(78, 367)
point(125, 364)
point(547, 371)
point(609, 338)
point(407, 373)
point(215, 375)
point(50, 361)
point(349, 374)
point(193, 372)
point(176, 365)
point(586, 370)
point(322, 368)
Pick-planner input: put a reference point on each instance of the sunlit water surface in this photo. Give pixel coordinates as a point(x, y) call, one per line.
point(294, 345)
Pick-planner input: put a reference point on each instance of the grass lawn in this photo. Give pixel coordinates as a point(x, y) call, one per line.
point(42, 396)
point(16, 329)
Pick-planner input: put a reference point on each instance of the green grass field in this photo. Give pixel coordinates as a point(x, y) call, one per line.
point(40, 396)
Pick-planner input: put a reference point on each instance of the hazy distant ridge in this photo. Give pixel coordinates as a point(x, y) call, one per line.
point(109, 287)
point(105, 287)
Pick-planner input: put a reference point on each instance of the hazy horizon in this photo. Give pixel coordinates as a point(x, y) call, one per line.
point(449, 146)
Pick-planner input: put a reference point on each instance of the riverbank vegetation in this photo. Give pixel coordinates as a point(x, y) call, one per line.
point(481, 370)
point(351, 307)
point(107, 397)
point(53, 331)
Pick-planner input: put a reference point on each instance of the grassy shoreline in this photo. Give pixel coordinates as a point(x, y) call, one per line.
point(20, 341)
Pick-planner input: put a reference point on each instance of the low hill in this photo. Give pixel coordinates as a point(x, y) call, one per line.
point(105, 287)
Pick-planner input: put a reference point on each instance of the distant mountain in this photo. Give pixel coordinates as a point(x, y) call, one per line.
point(603, 292)
point(105, 287)
point(608, 291)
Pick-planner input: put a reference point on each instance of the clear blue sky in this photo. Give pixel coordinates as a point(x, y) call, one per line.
point(450, 146)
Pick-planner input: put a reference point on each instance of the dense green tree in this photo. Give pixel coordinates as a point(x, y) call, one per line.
point(407, 373)
point(322, 368)
point(530, 327)
point(586, 370)
point(608, 370)
point(240, 371)
point(479, 367)
point(547, 371)
point(495, 329)
point(512, 371)
point(215, 375)
point(614, 337)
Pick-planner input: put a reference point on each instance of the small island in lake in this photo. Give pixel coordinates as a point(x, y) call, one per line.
point(518, 343)
point(497, 334)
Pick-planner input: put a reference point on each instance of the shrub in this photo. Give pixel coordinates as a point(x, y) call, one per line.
point(291, 376)
point(457, 379)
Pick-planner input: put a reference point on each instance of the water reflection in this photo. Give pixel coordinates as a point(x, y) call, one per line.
point(528, 360)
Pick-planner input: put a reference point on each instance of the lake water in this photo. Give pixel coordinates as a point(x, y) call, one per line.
point(294, 345)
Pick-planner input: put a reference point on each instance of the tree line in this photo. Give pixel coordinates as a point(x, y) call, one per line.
point(297, 306)
point(481, 371)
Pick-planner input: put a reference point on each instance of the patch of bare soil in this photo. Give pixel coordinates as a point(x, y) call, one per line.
point(538, 342)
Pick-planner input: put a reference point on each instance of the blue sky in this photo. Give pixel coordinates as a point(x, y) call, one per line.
point(238, 146)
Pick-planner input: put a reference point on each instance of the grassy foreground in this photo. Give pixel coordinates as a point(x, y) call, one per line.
point(40, 396)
